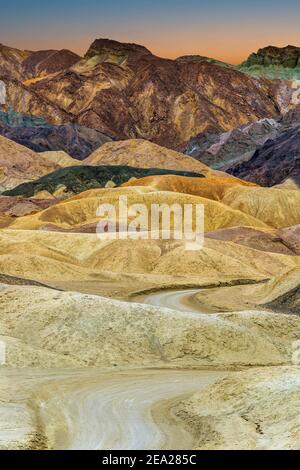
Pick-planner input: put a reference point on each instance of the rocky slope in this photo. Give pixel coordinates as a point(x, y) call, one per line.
point(276, 162)
point(24, 65)
point(274, 62)
point(124, 91)
point(40, 136)
point(222, 150)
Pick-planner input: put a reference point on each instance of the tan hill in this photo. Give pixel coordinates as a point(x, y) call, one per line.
point(119, 268)
point(251, 410)
point(90, 331)
point(212, 187)
point(82, 209)
point(265, 240)
point(144, 154)
point(19, 164)
point(60, 158)
point(5, 221)
point(280, 293)
point(19, 206)
point(275, 207)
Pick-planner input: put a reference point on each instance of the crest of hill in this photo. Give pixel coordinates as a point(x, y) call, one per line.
point(82, 209)
point(19, 164)
point(247, 198)
point(129, 266)
point(93, 331)
point(60, 158)
point(144, 154)
point(212, 187)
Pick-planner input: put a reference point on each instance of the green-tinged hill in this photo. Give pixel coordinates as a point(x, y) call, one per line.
point(274, 62)
point(74, 180)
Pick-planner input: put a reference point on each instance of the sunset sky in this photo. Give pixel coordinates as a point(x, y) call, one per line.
point(226, 30)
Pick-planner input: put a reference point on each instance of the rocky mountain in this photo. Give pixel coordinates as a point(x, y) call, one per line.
point(40, 136)
point(11, 62)
point(274, 62)
point(26, 65)
point(228, 150)
point(276, 162)
point(124, 91)
point(218, 150)
point(44, 63)
point(201, 58)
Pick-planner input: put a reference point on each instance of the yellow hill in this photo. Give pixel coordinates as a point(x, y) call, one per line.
point(132, 265)
point(82, 209)
point(275, 207)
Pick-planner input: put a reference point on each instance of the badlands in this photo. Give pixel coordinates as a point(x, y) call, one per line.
point(138, 343)
point(130, 340)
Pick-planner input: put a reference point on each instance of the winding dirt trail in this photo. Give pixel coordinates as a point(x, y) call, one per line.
point(181, 300)
point(93, 410)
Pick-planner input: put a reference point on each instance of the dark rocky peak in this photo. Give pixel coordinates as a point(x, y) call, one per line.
point(110, 50)
point(288, 56)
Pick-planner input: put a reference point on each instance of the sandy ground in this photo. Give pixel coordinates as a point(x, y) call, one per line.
point(90, 409)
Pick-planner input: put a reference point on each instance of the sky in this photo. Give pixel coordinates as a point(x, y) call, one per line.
point(226, 30)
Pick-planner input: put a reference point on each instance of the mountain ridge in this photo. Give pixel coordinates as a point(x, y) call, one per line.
point(124, 91)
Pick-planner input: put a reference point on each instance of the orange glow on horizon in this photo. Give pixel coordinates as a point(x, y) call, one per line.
point(234, 48)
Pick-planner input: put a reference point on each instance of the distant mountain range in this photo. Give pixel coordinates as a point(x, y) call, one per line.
point(124, 91)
